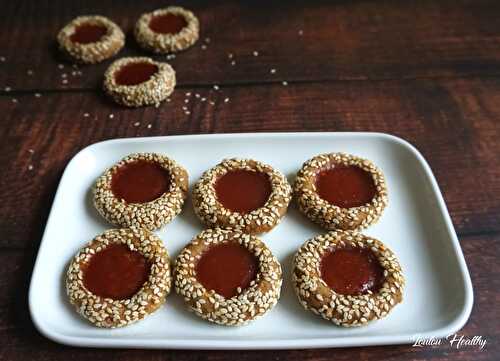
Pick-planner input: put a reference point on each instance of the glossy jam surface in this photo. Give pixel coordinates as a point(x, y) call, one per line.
point(225, 267)
point(345, 186)
point(167, 23)
point(116, 272)
point(352, 271)
point(243, 191)
point(135, 73)
point(140, 181)
point(88, 33)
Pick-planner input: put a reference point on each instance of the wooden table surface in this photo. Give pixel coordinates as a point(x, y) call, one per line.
point(427, 71)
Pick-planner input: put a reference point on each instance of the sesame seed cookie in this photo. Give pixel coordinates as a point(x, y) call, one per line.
point(179, 31)
point(151, 214)
point(329, 215)
point(139, 81)
point(343, 309)
point(108, 312)
point(91, 39)
point(213, 213)
point(249, 303)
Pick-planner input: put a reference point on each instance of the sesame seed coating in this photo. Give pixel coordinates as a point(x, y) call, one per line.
point(91, 53)
point(345, 310)
point(330, 216)
point(254, 301)
point(213, 214)
point(167, 43)
point(151, 92)
point(150, 215)
point(109, 313)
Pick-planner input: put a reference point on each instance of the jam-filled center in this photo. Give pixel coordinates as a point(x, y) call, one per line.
point(243, 190)
point(116, 272)
point(168, 23)
point(135, 73)
point(140, 181)
point(226, 267)
point(345, 186)
point(352, 271)
point(88, 33)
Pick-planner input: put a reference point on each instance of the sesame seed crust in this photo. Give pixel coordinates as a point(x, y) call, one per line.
point(330, 216)
point(91, 53)
point(151, 92)
point(167, 43)
point(345, 310)
point(109, 313)
point(254, 301)
point(150, 215)
point(213, 214)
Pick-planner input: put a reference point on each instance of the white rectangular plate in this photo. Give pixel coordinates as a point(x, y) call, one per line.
point(416, 226)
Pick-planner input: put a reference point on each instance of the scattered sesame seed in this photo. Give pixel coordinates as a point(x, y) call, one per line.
point(187, 112)
point(30, 167)
point(30, 72)
point(186, 100)
point(197, 95)
point(226, 100)
point(216, 87)
point(31, 151)
point(188, 94)
point(136, 124)
point(170, 56)
point(38, 95)
point(64, 75)
point(184, 107)
point(2, 59)
point(169, 100)
point(203, 47)
point(111, 116)
point(207, 40)
point(8, 88)
point(60, 66)
point(212, 103)
point(230, 55)
point(86, 115)
point(284, 82)
point(301, 32)
point(272, 71)
point(233, 63)
point(14, 100)
point(65, 81)
point(203, 99)
point(149, 126)
point(255, 53)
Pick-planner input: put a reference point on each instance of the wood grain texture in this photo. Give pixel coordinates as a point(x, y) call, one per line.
point(454, 123)
point(22, 342)
point(341, 40)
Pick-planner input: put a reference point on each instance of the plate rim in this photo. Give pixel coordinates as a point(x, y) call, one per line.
point(223, 344)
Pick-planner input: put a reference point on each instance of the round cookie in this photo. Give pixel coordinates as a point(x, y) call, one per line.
point(359, 208)
point(167, 30)
point(110, 312)
point(355, 308)
point(139, 81)
point(150, 203)
point(249, 216)
point(91, 39)
point(246, 303)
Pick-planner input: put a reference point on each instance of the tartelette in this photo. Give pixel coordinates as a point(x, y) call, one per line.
point(143, 189)
point(341, 191)
point(120, 277)
point(91, 39)
point(139, 81)
point(167, 30)
point(242, 194)
point(228, 277)
point(347, 278)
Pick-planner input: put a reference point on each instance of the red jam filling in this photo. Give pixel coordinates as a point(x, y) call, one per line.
point(242, 190)
point(116, 272)
point(88, 33)
point(226, 267)
point(140, 181)
point(352, 271)
point(135, 73)
point(345, 186)
point(168, 23)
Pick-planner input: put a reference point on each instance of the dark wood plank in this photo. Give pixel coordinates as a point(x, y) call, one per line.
point(20, 341)
point(341, 40)
point(454, 123)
